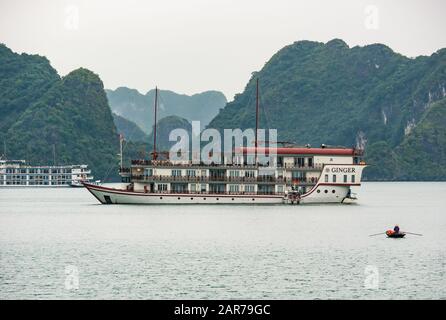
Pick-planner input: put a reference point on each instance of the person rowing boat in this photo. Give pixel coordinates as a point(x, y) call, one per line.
point(395, 233)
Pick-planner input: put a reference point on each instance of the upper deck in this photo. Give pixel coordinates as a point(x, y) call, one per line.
point(304, 158)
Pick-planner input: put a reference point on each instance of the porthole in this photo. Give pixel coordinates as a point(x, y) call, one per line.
point(319, 191)
point(326, 191)
point(179, 198)
point(161, 198)
point(192, 198)
point(253, 199)
point(217, 198)
point(333, 191)
point(232, 199)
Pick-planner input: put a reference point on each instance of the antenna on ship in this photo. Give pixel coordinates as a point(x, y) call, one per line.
point(4, 149)
point(154, 155)
point(54, 155)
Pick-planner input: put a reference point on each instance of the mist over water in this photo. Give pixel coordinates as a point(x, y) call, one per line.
point(60, 243)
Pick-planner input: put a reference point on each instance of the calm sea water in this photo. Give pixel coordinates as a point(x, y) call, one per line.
point(63, 244)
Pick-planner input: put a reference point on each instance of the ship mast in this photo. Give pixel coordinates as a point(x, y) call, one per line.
point(121, 138)
point(257, 118)
point(154, 155)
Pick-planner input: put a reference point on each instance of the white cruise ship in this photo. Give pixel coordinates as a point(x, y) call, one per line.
point(292, 175)
point(17, 173)
point(301, 175)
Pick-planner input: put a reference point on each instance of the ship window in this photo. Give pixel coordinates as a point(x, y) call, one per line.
point(249, 173)
point(203, 188)
point(176, 173)
point(234, 173)
point(193, 187)
point(326, 191)
point(280, 189)
point(310, 162)
point(345, 178)
point(190, 173)
point(148, 172)
point(162, 187)
point(234, 188)
point(333, 191)
point(334, 178)
point(326, 178)
point(319, 191)
point(299, 162)
point(353, 178)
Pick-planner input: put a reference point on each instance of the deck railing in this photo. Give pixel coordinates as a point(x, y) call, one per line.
point(200, 179)
point(165, 163)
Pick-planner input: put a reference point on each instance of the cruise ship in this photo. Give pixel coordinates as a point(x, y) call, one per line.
point(292, 175)
point(17, 173)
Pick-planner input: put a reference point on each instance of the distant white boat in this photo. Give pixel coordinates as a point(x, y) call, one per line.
point(17, 173)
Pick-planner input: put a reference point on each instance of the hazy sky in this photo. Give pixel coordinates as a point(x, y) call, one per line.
point(191, 46)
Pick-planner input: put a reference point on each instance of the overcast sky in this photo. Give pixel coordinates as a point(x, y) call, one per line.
point(190, 46)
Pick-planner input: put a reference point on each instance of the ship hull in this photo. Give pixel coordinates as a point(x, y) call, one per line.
point(115, 195)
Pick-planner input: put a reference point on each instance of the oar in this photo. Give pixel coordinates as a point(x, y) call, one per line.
point(415, 234)
point(376, 234)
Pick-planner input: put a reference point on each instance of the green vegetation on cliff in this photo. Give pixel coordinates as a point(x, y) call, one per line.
point(423, 151)
point(40, 111)
point(23, 80)
point(329, 93)
point(73, 115)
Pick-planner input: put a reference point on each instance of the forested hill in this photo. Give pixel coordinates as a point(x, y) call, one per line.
point(40, 110)
point(130, 130)
point(24, 79)
point(137, 107)
point(330, 93)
